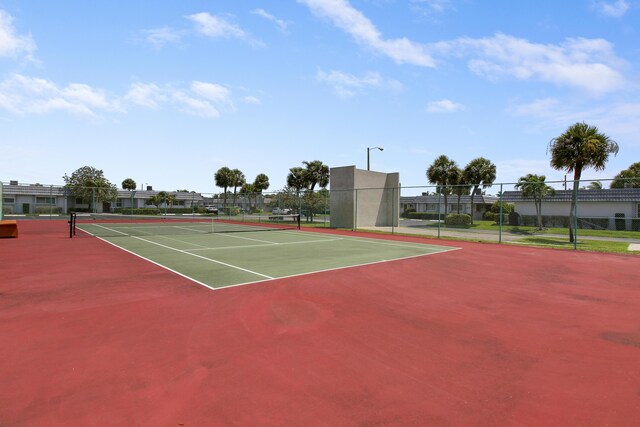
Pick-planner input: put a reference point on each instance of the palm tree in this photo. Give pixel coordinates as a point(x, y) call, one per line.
point(534, 186)
point(628, 178)
point(317, 173)
point(129, 184)
point(224, 180)
point(297, 179)
point(581, 146)
point(443, 172)
point(247, 190)
point(260, 184)
point(479, 172)
point(237, 180)
point(594, 185)
point(461, 187)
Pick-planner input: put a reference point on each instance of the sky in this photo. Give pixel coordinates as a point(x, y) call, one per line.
point(168, 92)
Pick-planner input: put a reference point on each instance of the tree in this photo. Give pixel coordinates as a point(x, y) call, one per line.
point(443, 172)
point(237, 180)
point(581, 146)
point(479, 172)
point(248, 190)
point(628, 178)
point(461, 187)
point(89, 184)
point(261, 183)
point(297, 179)
point(317, 173)
point(161, 199)
point(129, 184)
point(594, 185)
point(224, 180)
point(534, 186)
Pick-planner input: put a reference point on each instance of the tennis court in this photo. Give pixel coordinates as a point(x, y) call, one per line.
point(219, 254)
point(487, 335)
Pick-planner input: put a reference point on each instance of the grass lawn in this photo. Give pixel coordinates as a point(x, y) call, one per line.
point(533, 231)
point(585, 245)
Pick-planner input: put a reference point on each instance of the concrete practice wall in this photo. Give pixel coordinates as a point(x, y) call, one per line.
point(361, 198)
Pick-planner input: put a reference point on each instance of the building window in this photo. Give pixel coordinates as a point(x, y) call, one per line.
point(10, 200)
point(45, 200)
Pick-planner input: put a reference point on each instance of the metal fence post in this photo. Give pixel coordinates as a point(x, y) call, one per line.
point(439, 194)
point(576, 184)
point(500, 222)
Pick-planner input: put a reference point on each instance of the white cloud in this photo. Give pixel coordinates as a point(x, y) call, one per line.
point(430, 8)
point(158, 37)
point(195, 106)
point(617, 119)
point(215, 26)
point(615, 10)
point(586, 64)
point(12, 44)
point(347, 85)
point(145, 94)
point(444, 106)
point(252, 100)
point(279, 22)
point(353, 22)
point(511, 170)
point(23, 95)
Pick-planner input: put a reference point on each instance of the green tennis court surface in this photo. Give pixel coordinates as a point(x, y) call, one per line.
point(218, 260)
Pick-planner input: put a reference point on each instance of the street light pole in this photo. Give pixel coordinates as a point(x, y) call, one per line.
point(368, 150)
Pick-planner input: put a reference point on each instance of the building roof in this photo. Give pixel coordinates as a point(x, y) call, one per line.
point(452, 198)
point(603, 195)
point(53, 190)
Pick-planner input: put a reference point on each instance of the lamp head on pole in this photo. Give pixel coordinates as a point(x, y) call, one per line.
point(368, 150)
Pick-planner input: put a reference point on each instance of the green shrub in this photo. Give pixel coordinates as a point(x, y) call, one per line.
point(458, 219)
point(507, 208)
point(407, 212)
point(495, 217)
point(42, 210)
point(425, 215)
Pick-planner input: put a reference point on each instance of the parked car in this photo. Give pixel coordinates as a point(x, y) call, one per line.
point(282, 211)
point(211, 209)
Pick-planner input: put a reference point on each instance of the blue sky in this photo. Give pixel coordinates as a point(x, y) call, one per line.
point(167, 92)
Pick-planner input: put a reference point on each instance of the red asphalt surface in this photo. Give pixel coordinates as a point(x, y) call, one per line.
point(487, 335)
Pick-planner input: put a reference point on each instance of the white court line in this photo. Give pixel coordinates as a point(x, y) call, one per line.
point(260, 246)
point(378, 241)
point(269, 278)
point(205, 258)
point(335, 268)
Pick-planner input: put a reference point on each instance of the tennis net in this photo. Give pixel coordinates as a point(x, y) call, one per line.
point(114, 225)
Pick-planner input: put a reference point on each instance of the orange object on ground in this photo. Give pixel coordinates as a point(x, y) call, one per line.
point(8, 228)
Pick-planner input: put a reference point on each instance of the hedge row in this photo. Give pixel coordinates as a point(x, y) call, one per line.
point(424, 215)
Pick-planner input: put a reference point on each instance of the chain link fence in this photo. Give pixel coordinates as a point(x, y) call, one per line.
point(522, 212)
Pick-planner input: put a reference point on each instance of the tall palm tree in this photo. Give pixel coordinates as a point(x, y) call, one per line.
point(481, 173)
point(237, 181)
point(534, 186)
point(443, 172)
point(129, 184)
point(261, 183)
point(317, 173)
point(224, 180)
point(462, 187)
point(297, 178)
point(581, 146)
